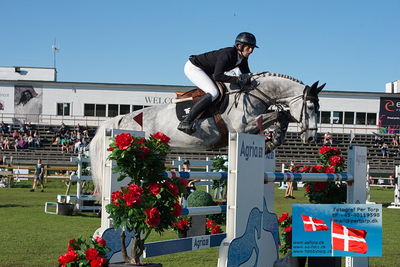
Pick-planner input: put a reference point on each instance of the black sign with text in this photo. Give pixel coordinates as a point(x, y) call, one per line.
point(389, 112)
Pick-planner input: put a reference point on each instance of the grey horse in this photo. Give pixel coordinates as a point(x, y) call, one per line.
point(246, 109)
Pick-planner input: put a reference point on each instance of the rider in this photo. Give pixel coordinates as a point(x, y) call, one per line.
point(206, 68)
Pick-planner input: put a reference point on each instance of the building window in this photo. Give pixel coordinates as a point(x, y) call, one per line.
point(137, 107)
point(124, 109)
point(337, 117)
point(349, 118)
point(88, 109)
point(112, 110)
point(94, 110)
point(371, 118)
point(360, 118)
point(63, 109)
point(325, 117)
point(100, 110)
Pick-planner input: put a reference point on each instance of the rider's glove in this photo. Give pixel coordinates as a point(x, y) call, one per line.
point(244, 79)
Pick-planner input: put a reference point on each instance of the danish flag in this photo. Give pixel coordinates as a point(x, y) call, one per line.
point(348, 239)
point(312, 224)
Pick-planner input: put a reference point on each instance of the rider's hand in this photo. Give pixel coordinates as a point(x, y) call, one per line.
point(244, 79)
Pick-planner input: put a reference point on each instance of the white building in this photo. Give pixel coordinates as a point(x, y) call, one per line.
point(34, 94)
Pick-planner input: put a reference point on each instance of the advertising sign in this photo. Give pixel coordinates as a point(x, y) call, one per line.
point(353, 230)
point(389, 112)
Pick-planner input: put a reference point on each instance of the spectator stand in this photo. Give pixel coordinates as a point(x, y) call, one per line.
point(82, 202)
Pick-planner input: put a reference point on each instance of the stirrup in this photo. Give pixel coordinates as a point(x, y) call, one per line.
point(186, 127)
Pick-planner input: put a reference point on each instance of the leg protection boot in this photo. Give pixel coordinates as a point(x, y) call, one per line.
point(186, 125)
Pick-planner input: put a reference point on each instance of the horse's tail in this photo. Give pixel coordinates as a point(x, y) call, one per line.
point(97, 154)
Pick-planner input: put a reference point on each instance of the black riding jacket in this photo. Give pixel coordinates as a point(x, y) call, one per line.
point(216, 62)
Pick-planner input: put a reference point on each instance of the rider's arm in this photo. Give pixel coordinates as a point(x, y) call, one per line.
point(219, 72)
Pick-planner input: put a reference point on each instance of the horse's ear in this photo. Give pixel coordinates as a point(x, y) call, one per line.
point(315, 85)
point(319, 89)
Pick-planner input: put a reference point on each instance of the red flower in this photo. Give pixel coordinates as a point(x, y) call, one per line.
point(329, 169)
point(132, 197)
point(172, 188)
point(91, 254)
point(183, 224)
point(162, 137)
point(145, 151)
point(153, 217)
point(336, 160)
point(177, 210)
point(210, 223)
point(110, 149)
point(319, 186)
point(123, 141)
point(324, 149)
point(308, 189)
point(115, 196)
point(154, 188)
point(141, 141)
point(317, 168)
point(216, 229)
point(70, 256)
point(71, 244)
point(98, 262)
point(336, 150)
point(283, 217)
point(305, 169)
point(287, 229)
point(100, 240)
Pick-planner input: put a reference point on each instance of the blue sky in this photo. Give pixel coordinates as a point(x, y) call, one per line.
point(351, 45)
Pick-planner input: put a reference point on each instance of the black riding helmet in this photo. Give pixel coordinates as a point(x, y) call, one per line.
point(246, 38)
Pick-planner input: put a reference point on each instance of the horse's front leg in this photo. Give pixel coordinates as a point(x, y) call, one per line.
point(262, 122)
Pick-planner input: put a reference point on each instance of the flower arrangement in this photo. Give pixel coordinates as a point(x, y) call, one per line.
point(182, 224)
point(212, 227)
point(285, 224)
point(331, 161)
point(149, 202)
point(84, 253)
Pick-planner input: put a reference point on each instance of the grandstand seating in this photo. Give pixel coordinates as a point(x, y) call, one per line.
point(292, 151)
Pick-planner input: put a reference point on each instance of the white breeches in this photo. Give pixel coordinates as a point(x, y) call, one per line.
point(199, 78)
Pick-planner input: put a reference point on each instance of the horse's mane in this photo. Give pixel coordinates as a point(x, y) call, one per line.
point(265, 74)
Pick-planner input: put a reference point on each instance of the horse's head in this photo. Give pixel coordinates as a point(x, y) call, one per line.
point(307, 108)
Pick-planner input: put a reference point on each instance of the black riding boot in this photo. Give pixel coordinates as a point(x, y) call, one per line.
point(186, 125)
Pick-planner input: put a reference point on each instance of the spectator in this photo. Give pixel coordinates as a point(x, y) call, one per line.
point(384, 150)
point(398, 152)
point(1, 142)
point(378, 140)
point(15, 145)
point(65, 145)
point(9, 128)
point(328, 138)
point(2, 127)
point(395, 140)
point(77, 146)
point(36, 139)
point(30, 141)
point(289, 188)
point(39, 176)
point(63, 129)
point(6, 143)
point(84, 145)
point(57, 139)
point(77, 128)
point(21, 143)
point(15, 134)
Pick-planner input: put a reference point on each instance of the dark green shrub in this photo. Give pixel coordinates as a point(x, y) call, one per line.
point(199, 199)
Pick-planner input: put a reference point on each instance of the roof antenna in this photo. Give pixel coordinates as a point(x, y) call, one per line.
point(55, 49)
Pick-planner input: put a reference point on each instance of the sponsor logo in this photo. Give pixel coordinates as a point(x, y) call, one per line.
point(199, 242)
point(392, 106)
point(251, 151)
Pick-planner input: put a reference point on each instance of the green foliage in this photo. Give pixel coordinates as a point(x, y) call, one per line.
point(199, 199)
point(220, 164)
point(285, 225)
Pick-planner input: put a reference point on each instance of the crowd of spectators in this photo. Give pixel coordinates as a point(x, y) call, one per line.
point(23, 136)
point(75, 140)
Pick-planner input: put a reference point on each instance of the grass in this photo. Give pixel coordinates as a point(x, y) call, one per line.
point(30, 237)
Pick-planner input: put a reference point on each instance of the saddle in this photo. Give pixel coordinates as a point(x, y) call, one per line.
point(185, 100)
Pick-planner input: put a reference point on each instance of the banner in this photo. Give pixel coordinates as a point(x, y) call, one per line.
point(389, 112)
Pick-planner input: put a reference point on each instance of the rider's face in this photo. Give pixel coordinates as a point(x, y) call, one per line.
point(247, 50)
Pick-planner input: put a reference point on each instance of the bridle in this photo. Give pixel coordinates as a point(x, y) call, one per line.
point(269, 102)
point(306, 96)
